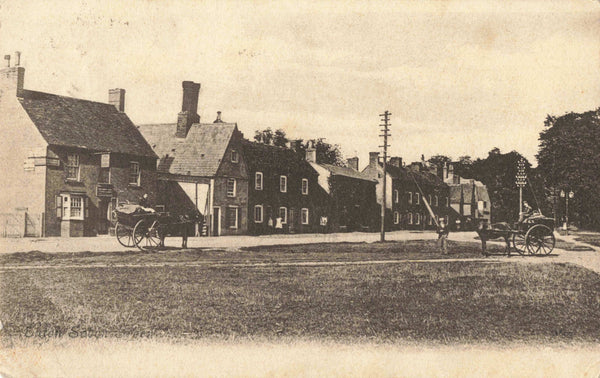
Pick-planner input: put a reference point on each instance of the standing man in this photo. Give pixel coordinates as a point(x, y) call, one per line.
point(443, 236)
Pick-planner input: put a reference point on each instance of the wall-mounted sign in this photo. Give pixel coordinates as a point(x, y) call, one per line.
point(105, 160)
point(104, 191)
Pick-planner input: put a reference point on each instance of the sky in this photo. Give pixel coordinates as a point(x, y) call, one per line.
point(459, 77)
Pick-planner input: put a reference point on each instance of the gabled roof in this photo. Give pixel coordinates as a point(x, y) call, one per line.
point(259, 155)
point(72, 122)
point(198, 154)
point(347, 172)
point(422, 177)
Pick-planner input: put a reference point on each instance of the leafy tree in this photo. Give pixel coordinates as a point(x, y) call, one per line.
point(264, 136)
point(569, 160)
point(439, 160)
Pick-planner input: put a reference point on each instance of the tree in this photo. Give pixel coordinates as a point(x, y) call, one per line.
point(569, 160)
point(439, 161)
point(327, 153)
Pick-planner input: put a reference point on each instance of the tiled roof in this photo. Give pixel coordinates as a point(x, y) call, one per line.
point(198, 154)
point(347, 172)
point(67, 121)
point(257, 155)
point(421, 177)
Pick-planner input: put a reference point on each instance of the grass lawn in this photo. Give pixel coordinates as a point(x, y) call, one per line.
point(458, 301)
point(403, 250)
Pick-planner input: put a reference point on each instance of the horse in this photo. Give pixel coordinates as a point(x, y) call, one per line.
point(494, 231)
point(179, 226)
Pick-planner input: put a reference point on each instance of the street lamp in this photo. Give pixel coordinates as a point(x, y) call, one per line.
point(566, 196)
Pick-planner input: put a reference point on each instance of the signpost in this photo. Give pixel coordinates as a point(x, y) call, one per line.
point(521, 181)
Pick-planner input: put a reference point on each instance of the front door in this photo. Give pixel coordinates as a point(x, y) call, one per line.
point(103, 216)
point(216, 222)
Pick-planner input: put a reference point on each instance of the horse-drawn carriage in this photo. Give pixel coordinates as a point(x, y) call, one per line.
point(534, 235)
point(146, 229)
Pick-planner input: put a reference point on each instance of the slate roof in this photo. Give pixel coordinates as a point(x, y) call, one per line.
point(421, 177)
point(347, 172)
point(72, 122)
point(257, 155)
point(198, 154)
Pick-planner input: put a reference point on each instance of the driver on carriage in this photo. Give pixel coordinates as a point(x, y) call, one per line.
point(527, 212)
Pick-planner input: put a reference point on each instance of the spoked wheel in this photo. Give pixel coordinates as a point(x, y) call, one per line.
point(146, 235)
point(540, 240)
point(519, 243)
point(124, 235)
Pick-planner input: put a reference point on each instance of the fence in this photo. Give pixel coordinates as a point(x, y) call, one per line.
point(21, 224)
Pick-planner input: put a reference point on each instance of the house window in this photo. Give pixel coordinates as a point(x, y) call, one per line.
point(283, 214)
point(417, 199)
point(234, 156)
point(410, 197)
point(232, 217)
point(104, 176)
point(283, 184)
point(396, 217)
point(304, 216)
point(410, 218)
point(304, 186)
point(231, 187)
point(258, 181)
point(134, 173)
point(417, 218)
point(396, 196)
point(73, 167)
point(258, 214)
point(436, 200)
point(71, 207)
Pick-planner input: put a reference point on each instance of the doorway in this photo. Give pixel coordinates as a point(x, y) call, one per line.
point(216, 221)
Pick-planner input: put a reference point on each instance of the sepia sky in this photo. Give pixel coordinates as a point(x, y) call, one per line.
point(460, 77)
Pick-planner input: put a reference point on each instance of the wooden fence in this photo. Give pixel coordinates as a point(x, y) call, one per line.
point(21, 224)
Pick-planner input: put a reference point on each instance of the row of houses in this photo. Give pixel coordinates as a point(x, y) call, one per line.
point(69, 162)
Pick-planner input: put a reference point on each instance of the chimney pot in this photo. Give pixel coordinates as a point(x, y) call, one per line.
point(218, 120)
point(189, 108)
point(17, 58)
point(7, 58)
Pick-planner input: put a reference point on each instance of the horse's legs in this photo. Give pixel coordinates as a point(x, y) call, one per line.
point(507, 241)
point(184, 237)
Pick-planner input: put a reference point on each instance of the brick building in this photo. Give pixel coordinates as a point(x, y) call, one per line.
point(469, 199)
point(283, 184)
point(351, 195)
point(68, 161)
point(405, 186)
point(201, 167)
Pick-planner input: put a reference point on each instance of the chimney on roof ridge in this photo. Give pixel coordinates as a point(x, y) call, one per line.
point(373, 159)
point(17, 58)
point(189, 108)
point(396, 161)
point(12, 79)
point(116, 97)
point(218, 120)
point(353, 163)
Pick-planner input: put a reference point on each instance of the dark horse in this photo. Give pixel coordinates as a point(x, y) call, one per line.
point(181, 225)
point(494, 231)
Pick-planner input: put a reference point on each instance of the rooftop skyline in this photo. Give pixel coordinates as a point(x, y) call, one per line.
point(459, 78)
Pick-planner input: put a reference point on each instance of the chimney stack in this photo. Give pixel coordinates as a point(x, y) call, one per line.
point(218, 120)
point(116, 97)
point(12, 79)
point(189, 108)
point(17, 58)
point(311, 154)
point(353, 163)
point(373, 159)
point(396, 161)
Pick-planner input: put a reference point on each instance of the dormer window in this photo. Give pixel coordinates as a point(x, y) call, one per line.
point(72, 167)
point(234, 156)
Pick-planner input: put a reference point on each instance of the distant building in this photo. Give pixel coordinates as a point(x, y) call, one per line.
point(201, 167)
point(67, 162)
point(405, 188)
point(469, 199)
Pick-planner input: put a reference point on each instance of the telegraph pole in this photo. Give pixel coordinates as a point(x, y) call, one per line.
point(385, 118)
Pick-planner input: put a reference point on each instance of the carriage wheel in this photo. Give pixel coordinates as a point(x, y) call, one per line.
point(124, 235)
point(146, 235)
point(540, 240)
point(519, 243)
